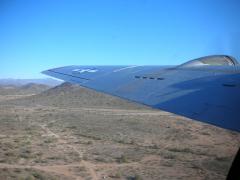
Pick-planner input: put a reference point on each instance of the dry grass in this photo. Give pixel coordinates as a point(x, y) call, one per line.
point(117, 140)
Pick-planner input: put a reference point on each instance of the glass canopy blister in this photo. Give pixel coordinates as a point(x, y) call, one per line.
point(215, 60)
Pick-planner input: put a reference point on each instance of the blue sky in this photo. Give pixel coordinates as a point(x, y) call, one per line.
point(37, 35)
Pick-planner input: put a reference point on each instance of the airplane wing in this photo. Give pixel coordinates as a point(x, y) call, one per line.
point(205, 89)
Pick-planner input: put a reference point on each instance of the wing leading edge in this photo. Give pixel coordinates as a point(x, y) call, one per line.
point(206, 89)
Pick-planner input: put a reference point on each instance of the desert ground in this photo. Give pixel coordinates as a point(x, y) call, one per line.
point(69, 132)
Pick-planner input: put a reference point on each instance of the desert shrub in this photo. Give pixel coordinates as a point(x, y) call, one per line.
point(123, 159)
point(37, 175)
point(136, 177)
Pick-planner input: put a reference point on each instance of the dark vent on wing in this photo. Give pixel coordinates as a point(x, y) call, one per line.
point(150, 78)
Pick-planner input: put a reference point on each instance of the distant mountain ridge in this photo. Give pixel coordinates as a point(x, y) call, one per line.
point(72, 96)
point(31, 88)
point(20, 82)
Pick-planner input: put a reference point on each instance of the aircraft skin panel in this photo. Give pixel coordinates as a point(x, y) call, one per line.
point(210, 94)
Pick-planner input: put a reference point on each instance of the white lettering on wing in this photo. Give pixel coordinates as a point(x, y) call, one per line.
point(129, 67)
point(84, 70)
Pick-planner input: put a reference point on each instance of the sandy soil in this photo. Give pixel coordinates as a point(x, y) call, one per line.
point(42, 139)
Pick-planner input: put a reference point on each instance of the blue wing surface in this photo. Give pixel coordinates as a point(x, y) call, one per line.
point(209, 92)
